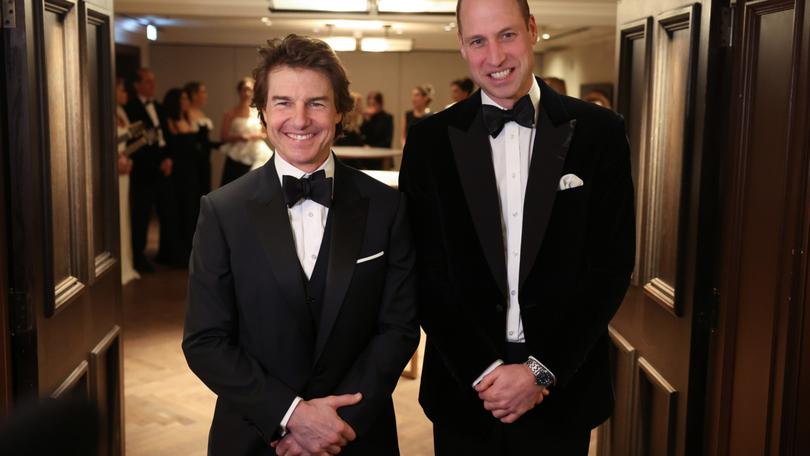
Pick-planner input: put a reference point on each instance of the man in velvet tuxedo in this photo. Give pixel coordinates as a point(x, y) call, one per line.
point(522, 208)
point(301, 309)
point(151, 166)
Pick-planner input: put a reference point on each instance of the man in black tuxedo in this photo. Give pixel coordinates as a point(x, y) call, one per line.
point(301, 311)
point(522, 208)
point(149, 183)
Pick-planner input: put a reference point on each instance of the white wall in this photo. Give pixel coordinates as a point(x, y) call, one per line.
point(128, 31)
point(587, 64)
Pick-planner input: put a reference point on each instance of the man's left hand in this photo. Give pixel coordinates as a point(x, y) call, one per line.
point(288, 446)
point(509, 391)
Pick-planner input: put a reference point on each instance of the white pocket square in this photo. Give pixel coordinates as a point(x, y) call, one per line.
point(570, 181)
point(372, 257)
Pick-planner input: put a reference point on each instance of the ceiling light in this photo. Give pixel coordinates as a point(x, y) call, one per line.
point(546, 36)
point(266, 21)
point(151, 32)
point(386, 45)
point(357, 25)
point(341, 43)
point(416, 6)
point(342, 6)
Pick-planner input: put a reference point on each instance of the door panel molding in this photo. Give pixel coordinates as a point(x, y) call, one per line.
point(667, 162)
point(106, 389)
point(74, 385)
point(655, 412)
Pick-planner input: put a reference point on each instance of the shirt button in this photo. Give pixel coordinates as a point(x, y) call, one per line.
point(511, 333)
point(514, 175)
point(515, 253)
point(514, 214)
point(513, 292)
point(511, 136)
point(311, 214)
point(314, 257)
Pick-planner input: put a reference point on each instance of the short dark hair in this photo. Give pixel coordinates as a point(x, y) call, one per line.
point(140, 72)
point(171, 103)
point(522, 4)
point(192, 87)
point(465, 84)
point(377, 96)
point(296, 51)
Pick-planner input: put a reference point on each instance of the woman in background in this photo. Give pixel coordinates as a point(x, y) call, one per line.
point(198, 97)
point(421, 96)
point(184, 150)
point(351, 131)
point(378, 125)
point(128, 271)
point(243, 136)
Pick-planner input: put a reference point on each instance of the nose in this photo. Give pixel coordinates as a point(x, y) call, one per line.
point(300, 116)
point(495, 55)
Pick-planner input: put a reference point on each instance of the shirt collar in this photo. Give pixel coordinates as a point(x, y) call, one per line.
point(284, 168)
point(144, 100)
point(534, 95)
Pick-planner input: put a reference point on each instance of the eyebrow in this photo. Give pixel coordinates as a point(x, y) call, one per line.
point(505, 29)
point(309, 100)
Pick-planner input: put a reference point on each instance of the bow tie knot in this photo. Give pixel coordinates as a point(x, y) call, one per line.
point(495, 118)
point(316, 187)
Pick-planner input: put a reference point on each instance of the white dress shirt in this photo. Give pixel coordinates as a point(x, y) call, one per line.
point(511, 157)
point(149, 105)
point(308, 221)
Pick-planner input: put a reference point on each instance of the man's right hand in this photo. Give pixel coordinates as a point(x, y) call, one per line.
point(316, 426)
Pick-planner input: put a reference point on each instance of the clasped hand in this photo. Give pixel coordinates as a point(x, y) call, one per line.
point(315, 428)
point(509, 391)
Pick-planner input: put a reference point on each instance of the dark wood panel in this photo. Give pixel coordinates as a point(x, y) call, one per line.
point(5, 337)
point(615, 436)
point(106, 389)
point(75, 386)
point(667, 170)
point(655, 422)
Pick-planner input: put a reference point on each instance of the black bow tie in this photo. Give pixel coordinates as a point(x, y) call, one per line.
point(495, 118)
point(315, 187)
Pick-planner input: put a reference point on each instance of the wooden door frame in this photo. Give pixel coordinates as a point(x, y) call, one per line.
point(5, 336)
point(782, 431)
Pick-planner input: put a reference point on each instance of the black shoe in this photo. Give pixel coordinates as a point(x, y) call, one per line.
point(143, 266)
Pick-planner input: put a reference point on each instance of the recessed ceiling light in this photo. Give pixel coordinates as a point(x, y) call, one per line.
point(546, 36)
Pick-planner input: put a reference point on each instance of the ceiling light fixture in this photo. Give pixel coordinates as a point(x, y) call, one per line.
point(546, 36)
point(386, 45)
point(343, 6)
point(151, 32)
point(417, 6)
point(341, 43)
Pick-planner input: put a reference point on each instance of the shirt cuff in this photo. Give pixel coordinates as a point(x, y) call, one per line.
point(553, 377)
point(486, 372)
point(288, 415)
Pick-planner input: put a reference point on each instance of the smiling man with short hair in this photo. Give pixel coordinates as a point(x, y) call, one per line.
point(522, 209)
point(301, 311)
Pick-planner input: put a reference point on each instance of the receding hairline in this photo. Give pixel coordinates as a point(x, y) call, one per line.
point(523, 6)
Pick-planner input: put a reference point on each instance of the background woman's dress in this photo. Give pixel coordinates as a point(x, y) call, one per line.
point(128, 271)
point(242, 156)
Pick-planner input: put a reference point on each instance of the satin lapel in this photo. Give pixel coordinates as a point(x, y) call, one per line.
point(548, 156)
point(272, 224)
point(473, 155)
point(349, 211)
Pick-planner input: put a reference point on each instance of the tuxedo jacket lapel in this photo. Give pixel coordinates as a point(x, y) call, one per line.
point(269, 213)
point(473, 157)
point(551, 142)
point(349, 211)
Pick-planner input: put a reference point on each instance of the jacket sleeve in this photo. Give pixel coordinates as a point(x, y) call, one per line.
point(377, 369)
point(609, 265)
point(210, 340)
point(460, 339)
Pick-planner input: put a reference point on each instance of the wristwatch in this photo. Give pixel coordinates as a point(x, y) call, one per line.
point(542, 376)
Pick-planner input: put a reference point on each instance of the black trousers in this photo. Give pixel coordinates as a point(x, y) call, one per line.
point(525, 437)
point(147, 192)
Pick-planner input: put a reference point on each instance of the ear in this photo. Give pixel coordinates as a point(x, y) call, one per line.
point(461, 45)
point(533, 28)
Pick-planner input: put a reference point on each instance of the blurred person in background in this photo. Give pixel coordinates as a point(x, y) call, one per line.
point(421, 96)
point(557, 84)
point(123, 127)
point(243, 137)
point(460, 89)
point(184, 148)
point(352, 135)
point(149, 180)
point(378, 125)
point(203, 125)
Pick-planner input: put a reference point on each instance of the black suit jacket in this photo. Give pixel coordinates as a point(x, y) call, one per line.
point(577, 255)
point(146, 161)
point(248, 331)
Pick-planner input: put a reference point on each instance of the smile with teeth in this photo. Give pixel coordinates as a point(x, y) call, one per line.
point(501, 74)
point(299, 137)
